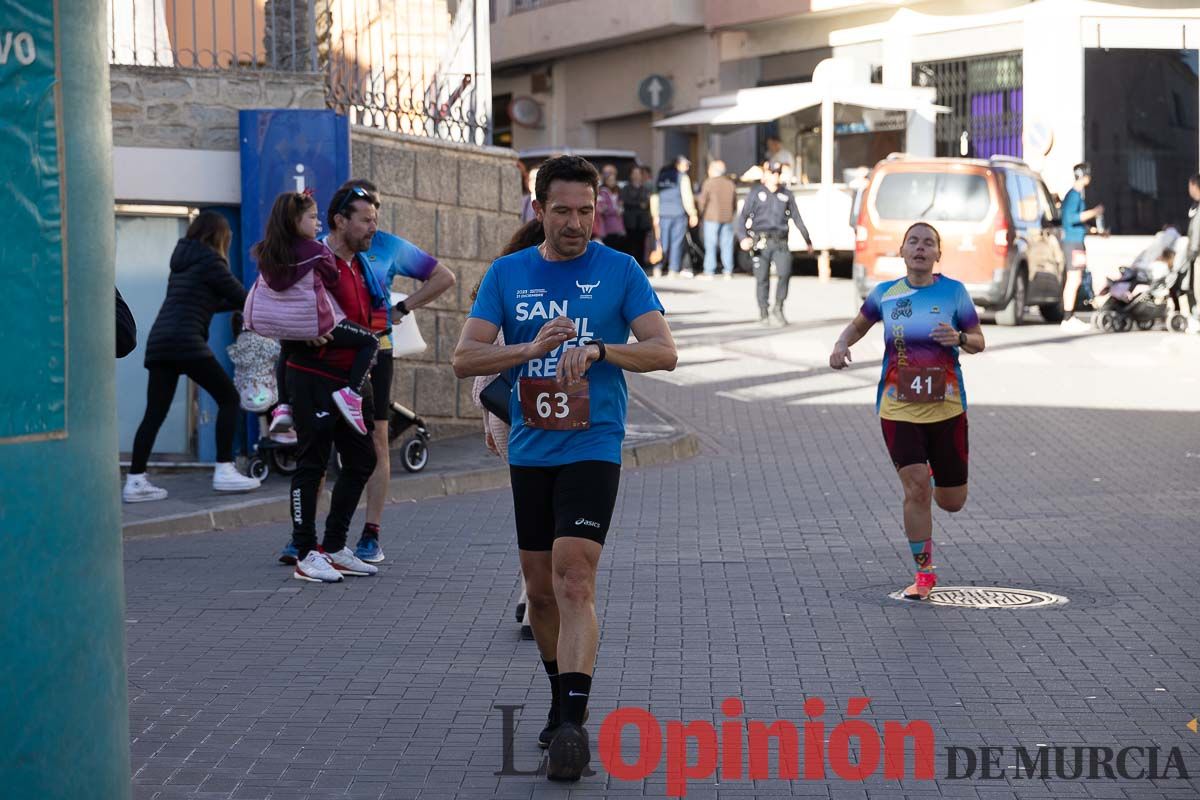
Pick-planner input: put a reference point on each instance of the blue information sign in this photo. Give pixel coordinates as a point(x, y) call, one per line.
point(288, 150)
point(33, 392)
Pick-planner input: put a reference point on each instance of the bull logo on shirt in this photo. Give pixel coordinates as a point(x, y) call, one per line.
point(903, 308)
point(586, 288)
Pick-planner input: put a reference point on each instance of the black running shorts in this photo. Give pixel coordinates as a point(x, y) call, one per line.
point(570, 500)
point(1074, 256)
point(943, 445)
point(381, 384)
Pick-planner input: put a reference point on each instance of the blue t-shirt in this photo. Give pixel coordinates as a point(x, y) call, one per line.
point(1073, 230)
point(390, 256)
point(909, 315)
point(603, 291)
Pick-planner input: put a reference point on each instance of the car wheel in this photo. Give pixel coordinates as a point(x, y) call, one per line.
point(1014, 312)
point(1052, 312)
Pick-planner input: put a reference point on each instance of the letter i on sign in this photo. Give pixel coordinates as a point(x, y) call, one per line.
point(299, 177)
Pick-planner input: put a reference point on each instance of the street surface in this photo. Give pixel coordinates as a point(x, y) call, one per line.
point(759, 570)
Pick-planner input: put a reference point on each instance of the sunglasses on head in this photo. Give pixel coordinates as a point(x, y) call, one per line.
point(356, 193)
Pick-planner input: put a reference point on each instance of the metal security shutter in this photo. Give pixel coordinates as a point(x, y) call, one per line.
point(984, 94)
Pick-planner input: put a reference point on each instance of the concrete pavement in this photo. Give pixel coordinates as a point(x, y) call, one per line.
point(758, 570)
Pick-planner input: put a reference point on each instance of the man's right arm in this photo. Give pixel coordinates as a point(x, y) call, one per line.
point(478, 354)
point(739, 227)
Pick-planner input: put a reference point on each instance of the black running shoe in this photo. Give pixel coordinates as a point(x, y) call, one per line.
point(569, 753)
point(547, 734)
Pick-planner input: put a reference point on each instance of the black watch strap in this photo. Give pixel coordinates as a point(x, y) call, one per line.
point(402, 307)
point(962, 338)
point(600, 344)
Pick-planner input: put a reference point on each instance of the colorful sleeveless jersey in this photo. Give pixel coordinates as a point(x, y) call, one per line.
point(909, 315)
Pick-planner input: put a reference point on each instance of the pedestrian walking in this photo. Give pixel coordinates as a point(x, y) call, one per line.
point(200, 285)
point(762, 228)
point(610, 216)
point(717, 204)
point(495, 429)
point(313, 374)
point(566, 308)
point(922, 401)
point(388, 257)
point(1185, 258)
point(290, 300)
point(635, 204)
point(1075, 217)
point(673, 209)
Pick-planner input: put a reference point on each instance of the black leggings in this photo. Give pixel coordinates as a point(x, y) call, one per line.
point(160, 391)
point(345, 334)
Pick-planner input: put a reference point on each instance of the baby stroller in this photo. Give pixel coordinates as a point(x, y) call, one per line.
point(254, 359)
point(1139, 297)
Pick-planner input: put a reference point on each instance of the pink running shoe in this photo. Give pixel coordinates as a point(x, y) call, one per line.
point(349, 402)
point(281, 419)
point(921, 589)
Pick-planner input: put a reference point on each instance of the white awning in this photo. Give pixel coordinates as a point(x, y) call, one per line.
point(768, 103)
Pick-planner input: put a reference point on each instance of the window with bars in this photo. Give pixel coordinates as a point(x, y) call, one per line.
point(984, 94)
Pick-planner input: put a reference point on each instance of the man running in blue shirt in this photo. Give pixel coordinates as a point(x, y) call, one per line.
point(567, 308)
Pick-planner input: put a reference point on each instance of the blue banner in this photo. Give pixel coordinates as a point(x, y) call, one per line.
point(288, 150)
point(33, 393)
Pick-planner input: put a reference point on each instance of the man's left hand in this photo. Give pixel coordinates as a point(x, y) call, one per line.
point(575, 362)
point(945, 335)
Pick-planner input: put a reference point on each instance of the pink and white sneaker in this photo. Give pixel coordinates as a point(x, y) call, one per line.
point(922, 588)
point(281, 419)
point(349, 402)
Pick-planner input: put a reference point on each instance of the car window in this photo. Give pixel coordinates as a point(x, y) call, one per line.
point(1022, 199)
point(1046, 204)
point(933, 196)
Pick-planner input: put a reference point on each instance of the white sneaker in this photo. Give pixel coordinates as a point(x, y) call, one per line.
point(226, 478)
point(140, 490)
point(315, 568)
point(346, 563)
point(1074, 325)
point(1193, 325)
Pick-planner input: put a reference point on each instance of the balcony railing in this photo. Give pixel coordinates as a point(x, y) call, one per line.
point(411, 66)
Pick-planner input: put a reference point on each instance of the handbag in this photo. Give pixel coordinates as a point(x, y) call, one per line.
point(495, 397)
point(406, 334)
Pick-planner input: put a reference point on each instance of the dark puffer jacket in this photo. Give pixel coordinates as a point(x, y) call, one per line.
point(200, 285)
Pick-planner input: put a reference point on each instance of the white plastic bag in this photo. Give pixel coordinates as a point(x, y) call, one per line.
point(406, 334)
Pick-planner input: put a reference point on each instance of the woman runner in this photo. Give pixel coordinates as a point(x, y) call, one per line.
point(922, 403)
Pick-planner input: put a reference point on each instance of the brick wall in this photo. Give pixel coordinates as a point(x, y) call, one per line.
point(156, 107)
point(462, 204)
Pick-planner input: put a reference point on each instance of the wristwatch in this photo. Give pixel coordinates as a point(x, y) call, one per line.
point(402, 308)
point(962, 338)
point(599, 344)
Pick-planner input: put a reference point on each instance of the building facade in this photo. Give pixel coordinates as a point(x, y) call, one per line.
point(1053, 81)
point(419, 128)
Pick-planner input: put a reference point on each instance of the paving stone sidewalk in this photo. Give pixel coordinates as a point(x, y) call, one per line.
point(758, 570)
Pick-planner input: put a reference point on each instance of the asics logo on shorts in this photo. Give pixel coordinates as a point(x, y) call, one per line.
point(588, 522)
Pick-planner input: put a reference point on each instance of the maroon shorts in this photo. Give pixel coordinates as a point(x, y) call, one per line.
point(941, 445)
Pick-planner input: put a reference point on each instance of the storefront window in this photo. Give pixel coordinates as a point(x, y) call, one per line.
point(1141, 136)
point(984, 94)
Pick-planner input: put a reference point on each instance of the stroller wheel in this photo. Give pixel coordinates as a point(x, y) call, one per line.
point(1177, 323)
point(415, 454)
point(284, 460)
point(1146, 324)
point(258, 469)
point(1108, 322)
point(1124, 324)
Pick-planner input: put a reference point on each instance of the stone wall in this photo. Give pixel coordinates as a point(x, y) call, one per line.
point(462, 204)
point(157, 107)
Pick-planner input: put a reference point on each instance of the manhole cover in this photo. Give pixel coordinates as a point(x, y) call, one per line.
point(989, 597)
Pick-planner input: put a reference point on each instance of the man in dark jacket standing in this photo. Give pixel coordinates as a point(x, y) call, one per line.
point(200, 285)
point(717, 204)
point(635, 200)
point(763, 229)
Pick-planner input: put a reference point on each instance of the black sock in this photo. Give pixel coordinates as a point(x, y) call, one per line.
point(552, 674)
point(574, 688)
point(370, 531)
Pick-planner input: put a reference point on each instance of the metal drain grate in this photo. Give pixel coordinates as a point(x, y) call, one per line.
point(989, 597)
